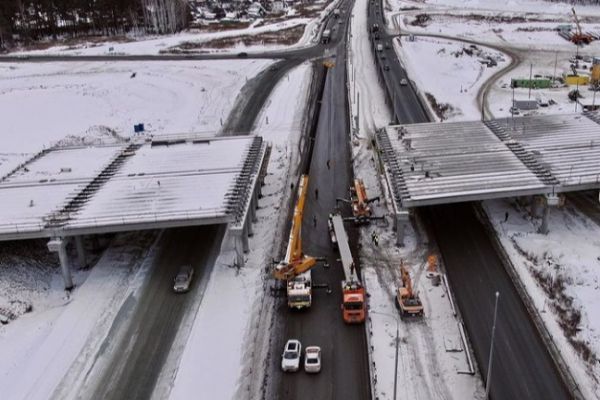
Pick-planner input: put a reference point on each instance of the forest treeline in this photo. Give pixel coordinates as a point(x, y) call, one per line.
point(26, 21)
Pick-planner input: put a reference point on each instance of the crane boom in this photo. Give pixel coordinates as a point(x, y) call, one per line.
point(344, 247)
point(295, 262)
point(576, 21)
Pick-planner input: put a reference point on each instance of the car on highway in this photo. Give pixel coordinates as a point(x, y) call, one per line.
point(183, 279)
point(290, 359)
point(386, 67)
point(403, 82)
point(243, 54)
point(312, 359)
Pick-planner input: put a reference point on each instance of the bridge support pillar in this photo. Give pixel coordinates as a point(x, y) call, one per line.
point(245, 232)
point(549, 200)
point(58, 245)
point(401, 220)
point(81, 258)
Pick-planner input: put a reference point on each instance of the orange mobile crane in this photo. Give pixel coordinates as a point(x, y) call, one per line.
point(361, 210)
point(295, 268)
point(406, 300)
point(354, 308)
point(579, 37)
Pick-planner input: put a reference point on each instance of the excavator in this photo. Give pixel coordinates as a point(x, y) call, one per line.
point(407, 301)
point(295, 268)
point(361, 210)
point(579, 37)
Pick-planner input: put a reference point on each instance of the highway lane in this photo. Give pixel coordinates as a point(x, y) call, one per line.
point(345, 373)
point(140, 339)
point(523, 367)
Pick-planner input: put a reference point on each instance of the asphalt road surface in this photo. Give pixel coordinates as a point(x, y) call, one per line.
point(522, 366)
point(142, 334)
point(345, 372)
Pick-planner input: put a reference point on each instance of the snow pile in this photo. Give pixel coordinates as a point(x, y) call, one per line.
point(561, 271)
point(225, 340)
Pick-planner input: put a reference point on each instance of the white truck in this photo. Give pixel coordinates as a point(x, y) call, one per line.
point(326, 36)
point(299, 291)
point(380, 47)
point(336, 13)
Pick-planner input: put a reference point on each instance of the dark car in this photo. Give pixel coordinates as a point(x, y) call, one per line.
point(386, 67)
point(243, 54)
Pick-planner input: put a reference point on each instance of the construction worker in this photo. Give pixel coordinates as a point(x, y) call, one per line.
point(328, 165)
point(505, 217)
point(315, 221)
point(375, 238)
point(317, 193)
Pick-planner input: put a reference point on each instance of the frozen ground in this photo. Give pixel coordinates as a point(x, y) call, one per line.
point(41, 103)
point(428, 366)
point(561, 271)
point(229, 353)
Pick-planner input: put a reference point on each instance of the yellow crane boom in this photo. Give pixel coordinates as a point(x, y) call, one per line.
point(295, 262)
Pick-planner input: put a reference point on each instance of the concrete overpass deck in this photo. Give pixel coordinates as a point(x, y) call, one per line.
point(168, 182)
point(439, 163)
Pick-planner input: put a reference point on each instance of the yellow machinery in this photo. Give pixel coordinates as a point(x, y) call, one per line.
point(579, 37)
point(296, 262)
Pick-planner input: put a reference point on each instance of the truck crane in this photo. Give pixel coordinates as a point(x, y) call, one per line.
point(295, 268)
point(354, 308)
point(407, 301)
point(579, 37)
point(361, 210)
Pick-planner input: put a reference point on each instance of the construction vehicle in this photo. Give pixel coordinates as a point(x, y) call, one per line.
point(331, 231)
point(354, 308)
point(326, 36)
point(361, 211)
point(579, 37)
point(407, 301)
point(336, 13)
point(295, 268)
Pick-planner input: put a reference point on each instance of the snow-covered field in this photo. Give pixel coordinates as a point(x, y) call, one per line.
point(233, 302)
point(41, 103)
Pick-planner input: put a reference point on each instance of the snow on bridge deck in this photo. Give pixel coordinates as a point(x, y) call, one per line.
point(173, 181)
point(436, 163)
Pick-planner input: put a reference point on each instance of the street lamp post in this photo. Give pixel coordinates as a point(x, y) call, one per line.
point(397, 347)
point(489, 371)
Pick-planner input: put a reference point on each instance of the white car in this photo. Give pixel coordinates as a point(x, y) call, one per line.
point(183, 279)
point(403, 82)
point(290, 359)
point(312, 359)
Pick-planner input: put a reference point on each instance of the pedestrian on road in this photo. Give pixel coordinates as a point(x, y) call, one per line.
point(315, 221)
point(328, 164)
point(292, 186)
point(374, 238)
point(505, 217)
point(317, 193)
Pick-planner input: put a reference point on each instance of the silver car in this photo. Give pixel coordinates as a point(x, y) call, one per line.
point(312, 359)
point(183, 279)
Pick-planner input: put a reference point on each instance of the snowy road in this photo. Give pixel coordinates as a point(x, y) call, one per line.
point(134, 352)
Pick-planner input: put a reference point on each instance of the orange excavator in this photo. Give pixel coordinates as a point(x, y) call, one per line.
point(407, 301)
point(579, 37)
point(295, 268)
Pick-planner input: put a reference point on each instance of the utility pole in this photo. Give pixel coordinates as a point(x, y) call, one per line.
point(489, 371)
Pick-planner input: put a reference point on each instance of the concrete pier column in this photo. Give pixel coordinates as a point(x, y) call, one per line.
point(58, 245)
point(537, 206)
point(401, 220)
point(549, 200)
point(246, 245)
point(236, 240)
point(81, 258)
